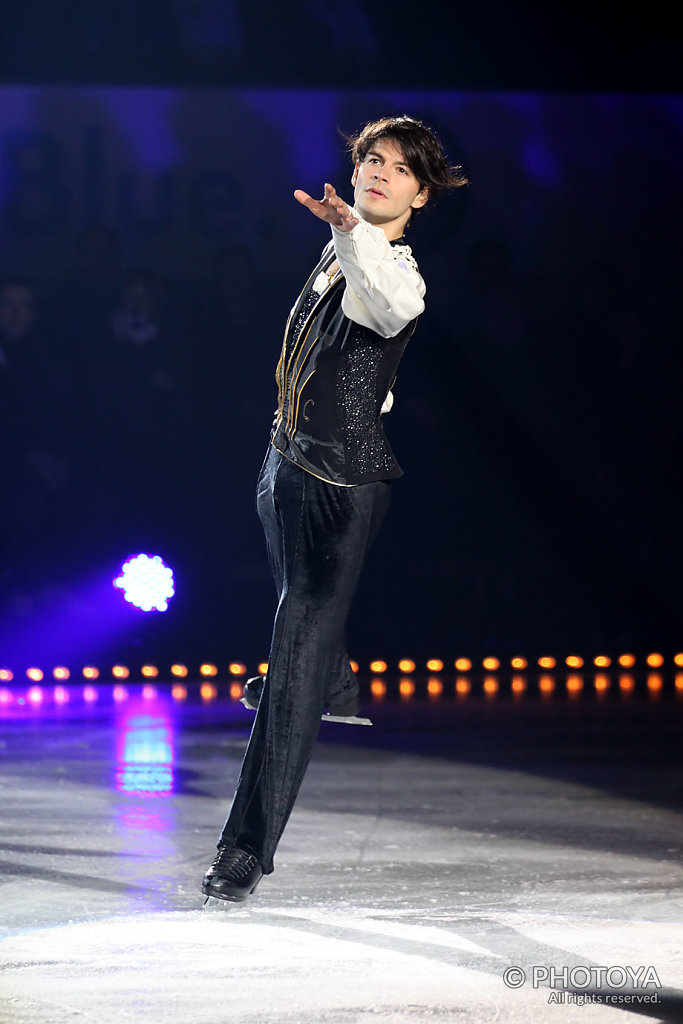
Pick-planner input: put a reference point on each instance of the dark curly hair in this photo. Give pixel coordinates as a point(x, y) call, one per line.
point(420, 146)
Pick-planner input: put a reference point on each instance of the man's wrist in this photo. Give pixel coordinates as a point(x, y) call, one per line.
point(341, 232)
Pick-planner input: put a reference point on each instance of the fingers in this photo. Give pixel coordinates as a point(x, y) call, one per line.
point(333, 199)
point(330, 208)
point(303, 197)
point(347, 219)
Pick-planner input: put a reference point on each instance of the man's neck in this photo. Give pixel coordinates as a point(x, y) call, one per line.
point(393, 229)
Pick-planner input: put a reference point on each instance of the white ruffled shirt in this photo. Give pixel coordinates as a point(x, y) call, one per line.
point(384, 290)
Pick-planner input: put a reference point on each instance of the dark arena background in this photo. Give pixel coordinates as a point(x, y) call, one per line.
point(518, 629)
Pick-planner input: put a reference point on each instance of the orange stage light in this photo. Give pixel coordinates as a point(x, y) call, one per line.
point(434, 687)
point(518, 684)
point(378, 688)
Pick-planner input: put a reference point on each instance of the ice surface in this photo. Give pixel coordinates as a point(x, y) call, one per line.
point(404, 886)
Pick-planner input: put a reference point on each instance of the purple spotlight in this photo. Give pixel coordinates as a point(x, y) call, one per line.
point(146, 582)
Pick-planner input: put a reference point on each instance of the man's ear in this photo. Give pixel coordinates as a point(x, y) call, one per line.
point(354, 176)
point(421, 199)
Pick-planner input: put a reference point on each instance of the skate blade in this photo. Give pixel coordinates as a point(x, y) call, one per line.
point(348, 720)
point(344, 719)
point(212, 904)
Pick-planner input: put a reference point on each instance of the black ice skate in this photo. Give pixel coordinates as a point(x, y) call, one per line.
point(233, 876)
point(347, 713)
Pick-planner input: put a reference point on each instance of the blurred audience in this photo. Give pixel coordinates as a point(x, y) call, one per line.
point(35, 439)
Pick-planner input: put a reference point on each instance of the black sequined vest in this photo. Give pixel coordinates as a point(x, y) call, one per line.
point(333, 377)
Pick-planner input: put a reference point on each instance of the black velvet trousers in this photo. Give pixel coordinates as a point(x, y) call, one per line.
point(318, 536)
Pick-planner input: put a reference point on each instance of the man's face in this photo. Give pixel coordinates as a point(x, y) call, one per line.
point(385, 189)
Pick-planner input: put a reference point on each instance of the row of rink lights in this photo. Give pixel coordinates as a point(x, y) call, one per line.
point(406, 666)
point(36, 694)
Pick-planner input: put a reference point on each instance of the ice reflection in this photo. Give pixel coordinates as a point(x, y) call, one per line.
point(145, 752)
point(144, 818)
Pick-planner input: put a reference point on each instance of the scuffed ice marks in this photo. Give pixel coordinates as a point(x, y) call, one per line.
point(395, 1014)
point(11, 1012)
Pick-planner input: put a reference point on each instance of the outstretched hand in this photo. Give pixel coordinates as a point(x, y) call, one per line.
point(330, 208)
